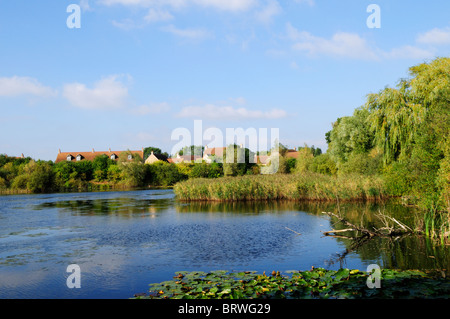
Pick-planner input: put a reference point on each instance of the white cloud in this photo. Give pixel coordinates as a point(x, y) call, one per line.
point(225, 5)
point(341, 44)
point(192, 34)
point(408, 52)
point(270, 10)
point(308, 2)
point(156, 14)
point(84, 4)
point(349, 45)
point(106, 93)
point(293, 65)
point(435, 36)
point(16, 86)
point(211, 111)
point(153, 15)
point(239, 100)
point(126, 24)
point(152, 108)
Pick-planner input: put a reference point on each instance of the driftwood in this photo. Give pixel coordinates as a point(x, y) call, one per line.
point(386, 231)
point(392, 229)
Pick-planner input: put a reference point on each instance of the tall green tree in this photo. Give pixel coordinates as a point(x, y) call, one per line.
point(395, 116)
point(349, 135)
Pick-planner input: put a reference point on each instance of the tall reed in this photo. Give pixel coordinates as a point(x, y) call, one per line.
point(304, 186)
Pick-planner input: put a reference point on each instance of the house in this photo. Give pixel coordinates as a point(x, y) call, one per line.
point(90, 156)
point(214, 154)
point(262, 159)
point(15, 157)
point(185, 159)
point(291, 153)
point(153, 158)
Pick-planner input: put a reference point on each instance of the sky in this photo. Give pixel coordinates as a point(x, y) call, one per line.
point(128, 74)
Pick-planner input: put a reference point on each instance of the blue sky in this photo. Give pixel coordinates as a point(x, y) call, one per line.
point(136, 70)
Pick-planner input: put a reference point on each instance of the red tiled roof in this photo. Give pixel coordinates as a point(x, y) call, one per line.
point(217, 151)
point(292, 154)
point(262, 159)
point(89, 156)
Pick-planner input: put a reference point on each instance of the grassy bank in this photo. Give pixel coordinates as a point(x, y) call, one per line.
point(317, 283)
point(305, 186)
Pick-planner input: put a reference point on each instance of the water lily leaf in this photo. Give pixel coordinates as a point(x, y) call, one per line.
point(225, 291)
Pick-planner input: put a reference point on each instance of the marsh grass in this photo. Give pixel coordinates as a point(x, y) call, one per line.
point(304, 186)
point(437, 226)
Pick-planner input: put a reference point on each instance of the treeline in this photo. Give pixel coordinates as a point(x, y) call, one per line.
point(28, 175)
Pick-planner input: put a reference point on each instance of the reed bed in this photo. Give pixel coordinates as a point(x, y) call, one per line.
point(306, 186)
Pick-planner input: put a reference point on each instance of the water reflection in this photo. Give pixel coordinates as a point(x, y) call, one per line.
point(126, 207)
point(404, 252)
point(125, 240)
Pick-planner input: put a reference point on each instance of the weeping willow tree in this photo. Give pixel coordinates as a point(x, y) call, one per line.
point(394, 116)
point(411, 124)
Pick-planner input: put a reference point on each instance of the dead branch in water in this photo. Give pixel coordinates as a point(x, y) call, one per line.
point(386, 231)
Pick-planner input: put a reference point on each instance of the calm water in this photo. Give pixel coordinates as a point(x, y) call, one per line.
point(123, 241)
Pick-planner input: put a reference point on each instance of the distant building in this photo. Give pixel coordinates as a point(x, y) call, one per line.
point(153, 158)
point(209, 154)
point(22, 156)
point(185, 159)
point(90, 156)
point(262, 159)
point(291, 153)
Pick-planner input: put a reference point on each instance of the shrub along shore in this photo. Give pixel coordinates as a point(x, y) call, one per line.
point(304, 186)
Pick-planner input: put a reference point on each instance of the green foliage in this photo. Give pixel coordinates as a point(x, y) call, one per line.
point(304, 159)
point(37, 177)
point(350, 135)
point(192, 150)
point(100, 166)
point(317, 283)
point(363, 164)
point(323, 164)
point(132, 173)
point(205, 170)
point(164, 174)
point(237, 161)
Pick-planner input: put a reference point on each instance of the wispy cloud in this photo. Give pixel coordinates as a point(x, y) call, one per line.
point(214, 112)
point(225, 5)
point(435, 36)
point(158, 14)
point(308, 2)
point(349, 45)
point(17, 86)
point(188, 33)
point(408, 52)
point(152, 108)
point(271, 9)
point(341, 44)
point(105, 94)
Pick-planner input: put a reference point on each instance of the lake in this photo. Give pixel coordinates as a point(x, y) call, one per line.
point(123, 241)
